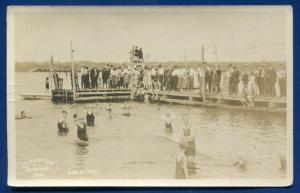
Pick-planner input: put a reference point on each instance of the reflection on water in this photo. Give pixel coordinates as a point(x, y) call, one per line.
point(137, 147)
point(82, 154)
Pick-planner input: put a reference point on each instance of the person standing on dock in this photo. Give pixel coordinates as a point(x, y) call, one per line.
point(83, 75)
point(282, 81)
point(260, 80)
point(191, 76)
point(209, 78)
point(201, 74)
point(272, 77)
point(175, 78)
point(219, 77)
point(47, 84)
point(244, 78)
point(94, 77)
point(105, 76)
point(231, 84)
point(141, 55)
point(126, 77)
point(160, 76)
point(236, 80)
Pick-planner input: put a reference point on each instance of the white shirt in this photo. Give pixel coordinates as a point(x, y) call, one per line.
point(161, 71)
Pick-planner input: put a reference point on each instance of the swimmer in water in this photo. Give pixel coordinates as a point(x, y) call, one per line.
point(125, 109)
point(181, 170)
point(24, 116)
point(109, 111)
point(81, 130)
point(167, 118)
point(62, 125)
point(241, 164)
point(189, 138)
point(168, 123)
point(90, 117)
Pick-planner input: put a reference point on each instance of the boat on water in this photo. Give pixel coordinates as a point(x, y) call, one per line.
point(36, 96)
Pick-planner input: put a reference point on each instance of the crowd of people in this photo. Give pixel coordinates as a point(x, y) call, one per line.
point(243, 80)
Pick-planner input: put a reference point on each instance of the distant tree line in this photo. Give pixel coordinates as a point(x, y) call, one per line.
point(32, 66)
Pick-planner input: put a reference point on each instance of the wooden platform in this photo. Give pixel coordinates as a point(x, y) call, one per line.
point(90, 95)
point(275, 104)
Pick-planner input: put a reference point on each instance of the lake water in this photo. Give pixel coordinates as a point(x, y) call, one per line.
point(136, 146)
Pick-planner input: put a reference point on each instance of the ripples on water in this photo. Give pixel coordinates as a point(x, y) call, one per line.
point(136, 146)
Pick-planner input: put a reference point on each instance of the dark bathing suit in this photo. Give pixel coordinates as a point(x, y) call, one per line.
point(81, 132)
point(90, 119)
point(191, 149)
point(168, 127)
point(61, 127)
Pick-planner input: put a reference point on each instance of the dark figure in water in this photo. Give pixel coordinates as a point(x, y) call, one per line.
point(24, 116)
point(81, 130)
point(168, 123)
point(62, 125)
point(125, 109)
point(90, 118)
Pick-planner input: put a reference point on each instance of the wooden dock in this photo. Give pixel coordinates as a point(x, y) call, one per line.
point(274, 104)
point(90, 95)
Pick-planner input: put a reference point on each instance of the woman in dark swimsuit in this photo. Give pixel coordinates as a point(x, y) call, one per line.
point(189, 138)
point(90, 118)
point(62, 126)
point(81, 130)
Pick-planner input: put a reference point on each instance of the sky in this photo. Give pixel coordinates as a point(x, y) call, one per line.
point(106, 34)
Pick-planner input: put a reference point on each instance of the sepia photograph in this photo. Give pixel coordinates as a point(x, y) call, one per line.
point(161, 96)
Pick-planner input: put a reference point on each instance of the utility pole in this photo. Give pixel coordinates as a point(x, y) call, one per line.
point(73, 73)
point(216, 54)
point(202, 53)
point(203, 77)
point(185, 57)
point(51, 73)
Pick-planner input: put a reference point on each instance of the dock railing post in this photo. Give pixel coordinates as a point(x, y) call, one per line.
point(73, 75)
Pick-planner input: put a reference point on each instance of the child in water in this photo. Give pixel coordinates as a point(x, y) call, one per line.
point(181, 170)
point(81, 130)
point(90, 117)
point(168, 123)
point(109, 111)
point(125, 109)
point(62, 125)
point(167, 118)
